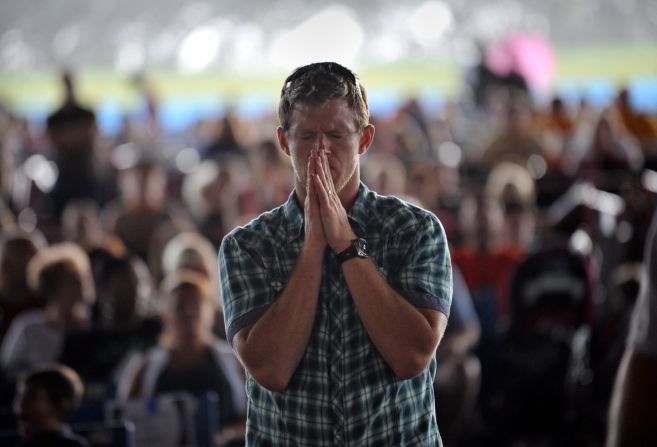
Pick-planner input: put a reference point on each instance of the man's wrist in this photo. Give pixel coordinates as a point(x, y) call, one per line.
point(342, 245)
point(356, 249)
point(312, 251)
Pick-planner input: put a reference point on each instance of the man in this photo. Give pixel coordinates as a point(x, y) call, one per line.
point(336, 301)
point(633, 408)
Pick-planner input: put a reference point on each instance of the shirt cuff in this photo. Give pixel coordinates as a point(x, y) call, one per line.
point(426, 301)
point(244, 320)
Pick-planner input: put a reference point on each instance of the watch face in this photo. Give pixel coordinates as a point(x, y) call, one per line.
point(361, 248)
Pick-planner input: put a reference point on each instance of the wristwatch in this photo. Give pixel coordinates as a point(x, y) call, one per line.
point(357, 249)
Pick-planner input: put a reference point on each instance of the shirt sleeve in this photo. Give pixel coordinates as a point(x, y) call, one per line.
point(643, 326)
point(424, 275)
point(246, 285)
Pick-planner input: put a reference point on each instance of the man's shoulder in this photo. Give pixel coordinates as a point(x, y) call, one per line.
point(393, 211)
point(261, 228)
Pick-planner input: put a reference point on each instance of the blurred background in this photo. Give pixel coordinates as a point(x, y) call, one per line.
point(134, 135)
point(201, 57)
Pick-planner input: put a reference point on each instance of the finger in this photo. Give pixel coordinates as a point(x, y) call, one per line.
point(321, 191)
point(324, 174)
point(328, 176)
point(312, 170)
point(311, 166)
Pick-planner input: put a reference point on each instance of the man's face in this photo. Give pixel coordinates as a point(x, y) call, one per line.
point(332, 127)
point(37, 414)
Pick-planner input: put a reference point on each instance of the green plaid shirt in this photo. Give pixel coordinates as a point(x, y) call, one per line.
point(343, 392)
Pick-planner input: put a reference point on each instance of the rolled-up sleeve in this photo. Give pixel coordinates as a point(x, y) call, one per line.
point(424, 274)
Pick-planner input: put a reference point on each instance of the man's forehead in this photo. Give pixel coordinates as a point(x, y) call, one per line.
point(333, 113)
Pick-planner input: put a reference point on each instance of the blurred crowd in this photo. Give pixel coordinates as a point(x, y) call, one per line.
point(108, 254)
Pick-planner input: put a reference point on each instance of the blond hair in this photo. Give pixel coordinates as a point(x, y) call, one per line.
point(65, 254)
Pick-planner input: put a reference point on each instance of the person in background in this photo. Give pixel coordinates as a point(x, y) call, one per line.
point(142, 207)
point(190, 358)
point(61, 276)
point(516, 142)
point(45, 401)
point(458, 375)
point(611, 155)
point(210, 196)
point(485, 259)
point(127, 321)
point(81, 224)
point(639, 125)
point(226, 141)
point(633, 408)
point(558, 119)
point(16, 250)
point(512, 186)
point(192, 251)
point(73, 134)
point(272, 175)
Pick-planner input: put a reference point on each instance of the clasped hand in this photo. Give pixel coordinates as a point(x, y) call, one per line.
point(326, 220)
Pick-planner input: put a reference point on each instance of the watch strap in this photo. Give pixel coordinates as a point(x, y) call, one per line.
point(355, 250)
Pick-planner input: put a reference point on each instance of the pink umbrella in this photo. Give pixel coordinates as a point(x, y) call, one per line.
point(526, 54)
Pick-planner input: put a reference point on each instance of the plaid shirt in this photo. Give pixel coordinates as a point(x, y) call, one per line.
point(343, 392)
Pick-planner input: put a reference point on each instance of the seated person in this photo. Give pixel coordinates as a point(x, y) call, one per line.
point(192, 251)
point(486, 259)
point(61, 275)
point(190, 357)
point(46, 399)
point(127, 321)
point(458, 373)
point(141, 207)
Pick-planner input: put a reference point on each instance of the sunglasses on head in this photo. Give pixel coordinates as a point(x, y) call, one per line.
point(331, 67)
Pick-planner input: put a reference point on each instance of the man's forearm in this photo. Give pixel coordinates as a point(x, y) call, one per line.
point(272, 348)
point(406, 337)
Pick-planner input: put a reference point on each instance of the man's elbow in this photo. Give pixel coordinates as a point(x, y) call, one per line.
point(272, 379)
point(412, 366)
point(417, 360)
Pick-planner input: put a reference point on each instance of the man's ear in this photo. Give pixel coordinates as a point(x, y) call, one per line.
point(366, 139)
point(282, 140)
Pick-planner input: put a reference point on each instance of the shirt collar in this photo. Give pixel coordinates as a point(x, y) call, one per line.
point(357, 214)
point(293, 215)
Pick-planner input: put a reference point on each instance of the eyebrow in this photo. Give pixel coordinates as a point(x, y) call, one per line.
point(340, 129)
